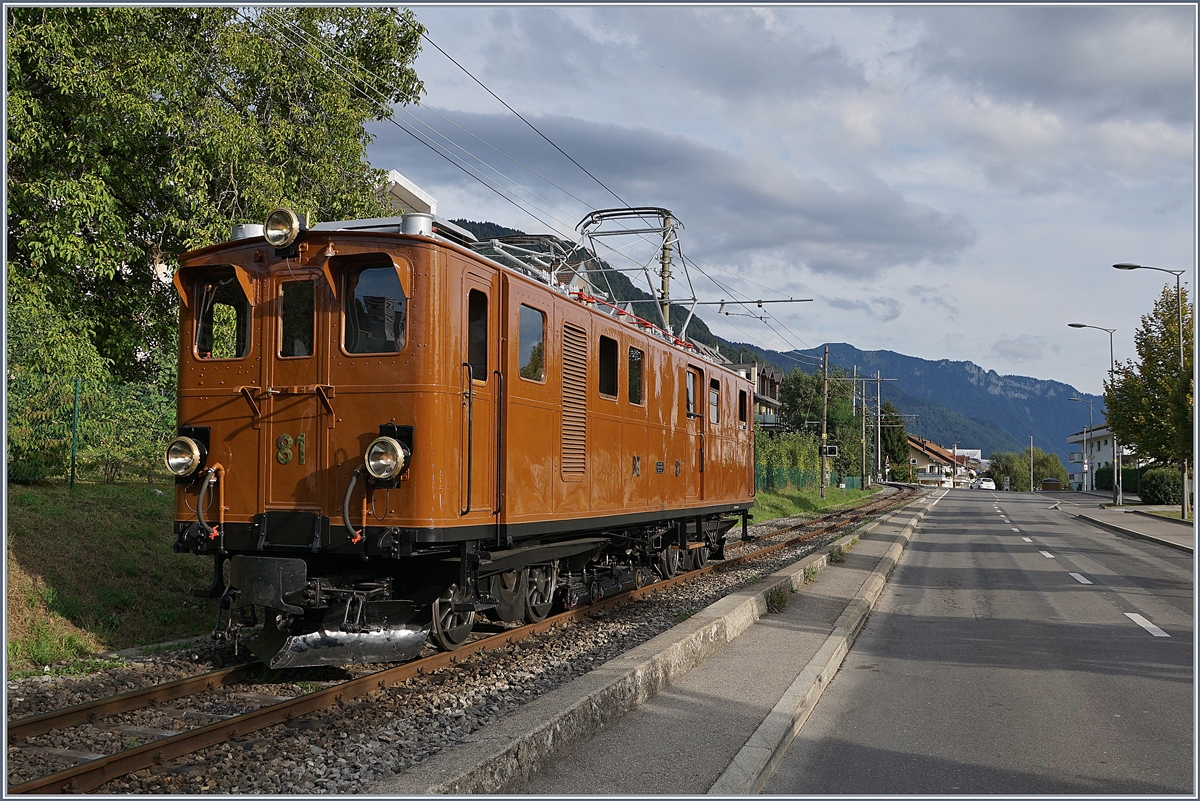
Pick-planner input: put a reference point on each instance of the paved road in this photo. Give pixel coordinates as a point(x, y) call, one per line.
point(991, 665)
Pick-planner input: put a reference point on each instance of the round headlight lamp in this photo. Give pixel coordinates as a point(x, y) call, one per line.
point(386, 458)
point(281, 228)
point(183, 456)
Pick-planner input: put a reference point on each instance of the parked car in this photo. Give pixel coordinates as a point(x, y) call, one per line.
point(975, 483)
point(987, 483)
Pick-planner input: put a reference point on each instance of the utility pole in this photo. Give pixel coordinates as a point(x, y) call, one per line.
point(666, 274)
point(878, 427)
point(824, 415)
point(862, 436)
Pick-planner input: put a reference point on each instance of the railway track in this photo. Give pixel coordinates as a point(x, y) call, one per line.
point(95, 771)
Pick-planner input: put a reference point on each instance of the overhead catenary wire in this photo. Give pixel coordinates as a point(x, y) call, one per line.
point(352, 72)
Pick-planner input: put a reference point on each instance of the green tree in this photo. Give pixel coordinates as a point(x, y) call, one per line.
point(801, 402)
point(1150, 399)
point(135, 134)
point(1015, 467)
point(893, 437)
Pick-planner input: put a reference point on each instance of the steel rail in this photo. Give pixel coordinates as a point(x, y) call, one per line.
point(93, 774)
point(91, 711)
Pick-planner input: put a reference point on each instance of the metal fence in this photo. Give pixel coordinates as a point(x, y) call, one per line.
point(61, 427)
point(779, 478)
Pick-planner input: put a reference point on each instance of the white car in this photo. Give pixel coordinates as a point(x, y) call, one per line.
point(987, 483)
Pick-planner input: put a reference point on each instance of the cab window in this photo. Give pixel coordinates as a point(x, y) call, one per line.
point(376, 310)
point(714, 401)
point(636, 358)
point(532, 344)
point(608, 367)
point(296, 319)
point(223, 317)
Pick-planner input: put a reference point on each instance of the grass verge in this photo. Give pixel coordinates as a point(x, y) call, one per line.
point(91, 570)
point(773, 504)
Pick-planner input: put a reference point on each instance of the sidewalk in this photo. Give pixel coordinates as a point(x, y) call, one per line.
point(1171, 533)
point(652, 722)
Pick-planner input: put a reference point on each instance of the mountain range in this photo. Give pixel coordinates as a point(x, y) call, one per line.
point(950, 401)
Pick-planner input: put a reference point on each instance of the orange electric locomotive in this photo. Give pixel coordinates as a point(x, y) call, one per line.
point(386, 428)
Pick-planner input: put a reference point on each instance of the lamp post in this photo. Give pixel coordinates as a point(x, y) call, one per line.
point(1179, 305)
point(1031, 489)
point(1086, 458)
point(1118, 474)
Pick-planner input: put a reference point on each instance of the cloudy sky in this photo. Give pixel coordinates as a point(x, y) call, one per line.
point(948, 183)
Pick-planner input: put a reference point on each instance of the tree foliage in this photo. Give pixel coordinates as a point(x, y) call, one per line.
point(893, 437)
point(135, 134)
point(1015, 467)
point(1149, 400)
point(801, 401)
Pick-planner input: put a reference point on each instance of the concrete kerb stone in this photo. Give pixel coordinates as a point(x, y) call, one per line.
point(507, 755)
point(754, 763)
point(1179, 521)
point(1128, 532)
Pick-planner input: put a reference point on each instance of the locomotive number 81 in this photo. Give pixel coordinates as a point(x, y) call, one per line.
point(384, 432)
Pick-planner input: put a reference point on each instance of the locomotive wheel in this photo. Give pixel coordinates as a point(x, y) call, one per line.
point(539, 591)
point(450, 628)
point(699, 557)
point(510, 588)
point(667, 562)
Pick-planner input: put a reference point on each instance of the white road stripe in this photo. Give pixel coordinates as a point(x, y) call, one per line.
point(1079, 578)
point(1146, 624)
point(1027, 539)
point(1047, 554)
point(1017, 530)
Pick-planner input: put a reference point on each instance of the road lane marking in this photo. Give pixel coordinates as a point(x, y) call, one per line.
point(1027, 539)
point(1017, 530)
point(1046, 554)
point(1146, 624)
point(1080, 578)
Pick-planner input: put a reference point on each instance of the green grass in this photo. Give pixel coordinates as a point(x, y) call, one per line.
point(92, 569)
point(773, 504)
point(1172, 515)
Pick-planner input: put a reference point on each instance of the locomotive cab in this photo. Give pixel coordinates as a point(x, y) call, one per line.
point(383, 434)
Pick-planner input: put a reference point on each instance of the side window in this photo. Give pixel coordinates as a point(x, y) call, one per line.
point(714, 401)
point(608, 366)
point(296, 319)
point(531, 340)
point(376, 311)
point(477, 333)
point(223, 317)
point(690, 398)
point(742, 415)
point(636, 357)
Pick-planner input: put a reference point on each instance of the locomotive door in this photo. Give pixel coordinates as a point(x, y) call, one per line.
point(294, 396)
point(694, 400)
point(481, 382)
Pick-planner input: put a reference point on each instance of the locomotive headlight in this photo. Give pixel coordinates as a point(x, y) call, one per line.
point(281, 228)
point(386, 458)
point(183, 456)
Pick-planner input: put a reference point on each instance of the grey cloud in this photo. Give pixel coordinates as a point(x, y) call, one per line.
point(882, 309)
point(735, 209)
point(1130, 62)
point(733, 53)
point(1021, 348)
point(934, 296)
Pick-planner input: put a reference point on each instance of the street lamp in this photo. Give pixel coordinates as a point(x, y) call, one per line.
point(1118, 474)
point(1031, 487)
point(1179, 304)
point(1086, 458)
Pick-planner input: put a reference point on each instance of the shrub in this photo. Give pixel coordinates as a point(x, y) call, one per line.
point(1161, 486)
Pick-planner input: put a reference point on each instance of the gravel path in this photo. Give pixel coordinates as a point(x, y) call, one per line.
point(348, 748)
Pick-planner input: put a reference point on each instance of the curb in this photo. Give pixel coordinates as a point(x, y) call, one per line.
point(756, 761)
point(1128, 532)
point(505, 756)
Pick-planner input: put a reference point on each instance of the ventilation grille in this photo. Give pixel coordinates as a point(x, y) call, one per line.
point(574, 401)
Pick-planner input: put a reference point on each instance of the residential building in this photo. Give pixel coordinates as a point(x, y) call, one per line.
point(767, 380)
point(1095, 446)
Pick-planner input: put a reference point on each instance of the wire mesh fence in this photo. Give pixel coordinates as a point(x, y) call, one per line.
point(782, 478)
point(61, 427)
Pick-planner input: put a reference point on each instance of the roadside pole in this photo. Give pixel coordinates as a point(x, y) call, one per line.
point(824, 414)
